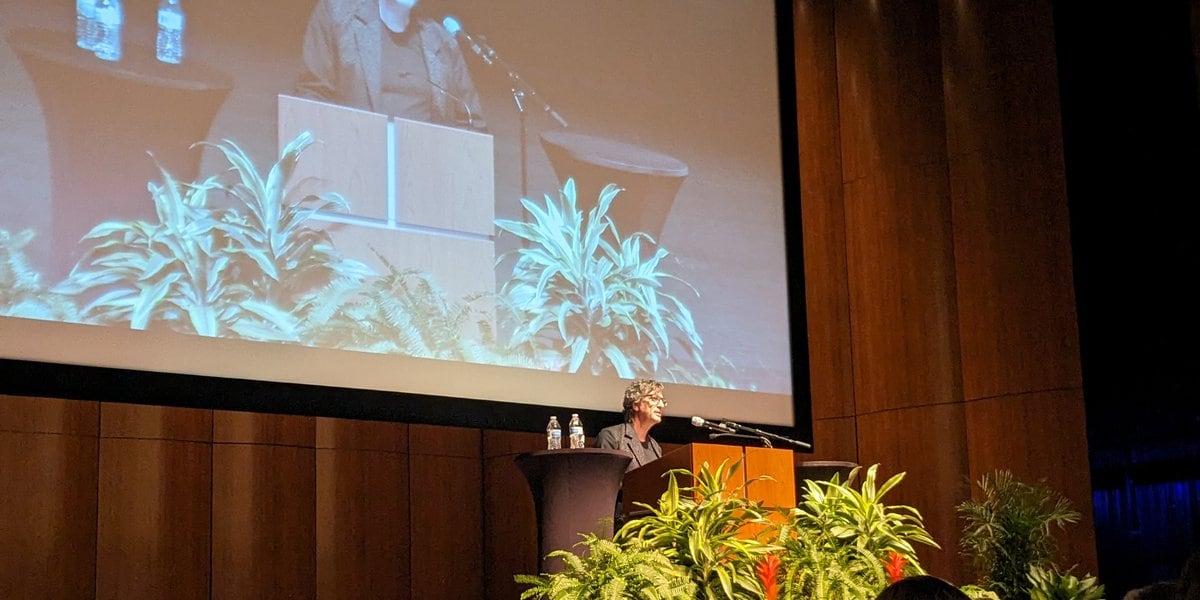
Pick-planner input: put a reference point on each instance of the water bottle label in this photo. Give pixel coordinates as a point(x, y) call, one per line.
point(170, 20)
point(576, 431)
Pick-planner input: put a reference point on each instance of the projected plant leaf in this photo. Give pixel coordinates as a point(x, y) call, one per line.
point(402, 312)
point(278, 254)
point(21, 290)
point(213, 271)
point(581, 289)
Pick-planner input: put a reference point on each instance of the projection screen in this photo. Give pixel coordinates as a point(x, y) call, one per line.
point(527, 202)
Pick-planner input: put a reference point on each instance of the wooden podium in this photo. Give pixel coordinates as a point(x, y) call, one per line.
point(646, 484)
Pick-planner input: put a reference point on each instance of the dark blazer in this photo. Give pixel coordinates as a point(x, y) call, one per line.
point(622, 437)
point(343, 48)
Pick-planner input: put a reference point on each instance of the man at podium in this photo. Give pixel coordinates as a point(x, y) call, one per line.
point(642, 409)
point(382, 56)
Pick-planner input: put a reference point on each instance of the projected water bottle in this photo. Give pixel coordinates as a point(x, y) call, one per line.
point(575, 427)
point(109, 16)
point(85, 24)
point(169, 46)
point(553, 434)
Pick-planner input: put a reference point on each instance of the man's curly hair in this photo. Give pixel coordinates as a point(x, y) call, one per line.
point(638, 389)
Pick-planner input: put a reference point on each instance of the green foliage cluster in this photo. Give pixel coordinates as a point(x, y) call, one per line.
point(1009, 529)
point(581, 290)
point(701, 528)
point(836, 541)
point(611, 572)
point(1049, 584)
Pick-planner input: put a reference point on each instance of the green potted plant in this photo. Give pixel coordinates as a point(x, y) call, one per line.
point(1049, 584)
point(1010, 528)
point(847, 543)
point(609, 571)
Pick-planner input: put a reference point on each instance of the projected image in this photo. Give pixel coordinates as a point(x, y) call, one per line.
point(575, 187)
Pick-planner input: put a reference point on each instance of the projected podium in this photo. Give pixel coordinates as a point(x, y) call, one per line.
point(646, 484)
point(421, 195)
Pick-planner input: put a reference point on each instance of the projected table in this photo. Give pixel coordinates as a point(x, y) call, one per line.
point(650, 179)
point(102, 118)
point(574, 491)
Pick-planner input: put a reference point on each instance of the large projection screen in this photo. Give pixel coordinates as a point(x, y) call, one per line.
point(416, 224)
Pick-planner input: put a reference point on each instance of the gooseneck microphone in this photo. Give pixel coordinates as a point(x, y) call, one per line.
point(452, 96)
point(480, 48)
point(710, 425)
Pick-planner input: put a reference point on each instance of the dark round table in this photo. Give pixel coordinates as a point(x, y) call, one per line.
point(574, 492)
point(104, 120)
point(650, 179)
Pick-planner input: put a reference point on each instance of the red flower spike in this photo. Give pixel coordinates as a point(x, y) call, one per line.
point(895, 566)
point(767, 568)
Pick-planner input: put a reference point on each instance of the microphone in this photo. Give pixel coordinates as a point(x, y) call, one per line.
point(700, 422)
point(479, 47)
point(463, 103)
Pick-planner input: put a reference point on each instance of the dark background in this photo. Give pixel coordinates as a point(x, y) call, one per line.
point(1131, 124)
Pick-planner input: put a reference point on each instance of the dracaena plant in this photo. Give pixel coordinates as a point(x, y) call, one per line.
point(581, 290)
point(1009, 528)
point(841, 542)
point(214, 271)
point(609, 571)
point(21, 291)
point(702, 527)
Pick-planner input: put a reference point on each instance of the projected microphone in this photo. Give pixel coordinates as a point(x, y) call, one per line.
point(461, 102)
point(700, 422)
point(480, 48)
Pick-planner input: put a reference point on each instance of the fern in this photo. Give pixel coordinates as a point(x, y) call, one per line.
point(610, 572)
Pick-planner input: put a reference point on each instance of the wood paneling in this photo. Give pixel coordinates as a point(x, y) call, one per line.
point(155, 499)
point(833, 439)
point(49, 415)
point(363, 527)
point(48, 523)
point(1039, 436)
point(446, 483)
point(827, 294)
point(349, 434)
point(155, 422)
point(509, 519)
point(929, 444)
point(900, 258)
point(264, 506)
point(1007, 178)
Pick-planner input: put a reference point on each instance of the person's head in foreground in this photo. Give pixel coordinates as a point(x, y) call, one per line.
point(922, 587)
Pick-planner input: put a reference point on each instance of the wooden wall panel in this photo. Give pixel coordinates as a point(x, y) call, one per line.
point(826, 288)
point(900, 257)
point(509, 518)
point(833, 439)
point(48, 455)
point(1039, 436)
point(446, 483)
point(1008, 184)
point(154, 520)
point(362, 503)
point(264, 506)
point(929, 445)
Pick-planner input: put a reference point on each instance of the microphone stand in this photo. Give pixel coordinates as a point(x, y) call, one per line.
point(766, 442)
point(766, 435)
point(521, 93)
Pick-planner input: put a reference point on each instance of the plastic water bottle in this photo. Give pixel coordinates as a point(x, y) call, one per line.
point(553, 434)
point(86, 26)
point(169, 44)
point(575, 427)
point(109, 16)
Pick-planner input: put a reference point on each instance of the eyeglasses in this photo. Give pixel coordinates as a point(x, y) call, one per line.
point(655, 401)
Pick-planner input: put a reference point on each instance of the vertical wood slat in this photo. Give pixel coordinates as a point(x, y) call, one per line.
point(155, 502)
point(48, 456)
point(509, 518)
point(362, 504)
point(264, 506)
point(446, 483)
